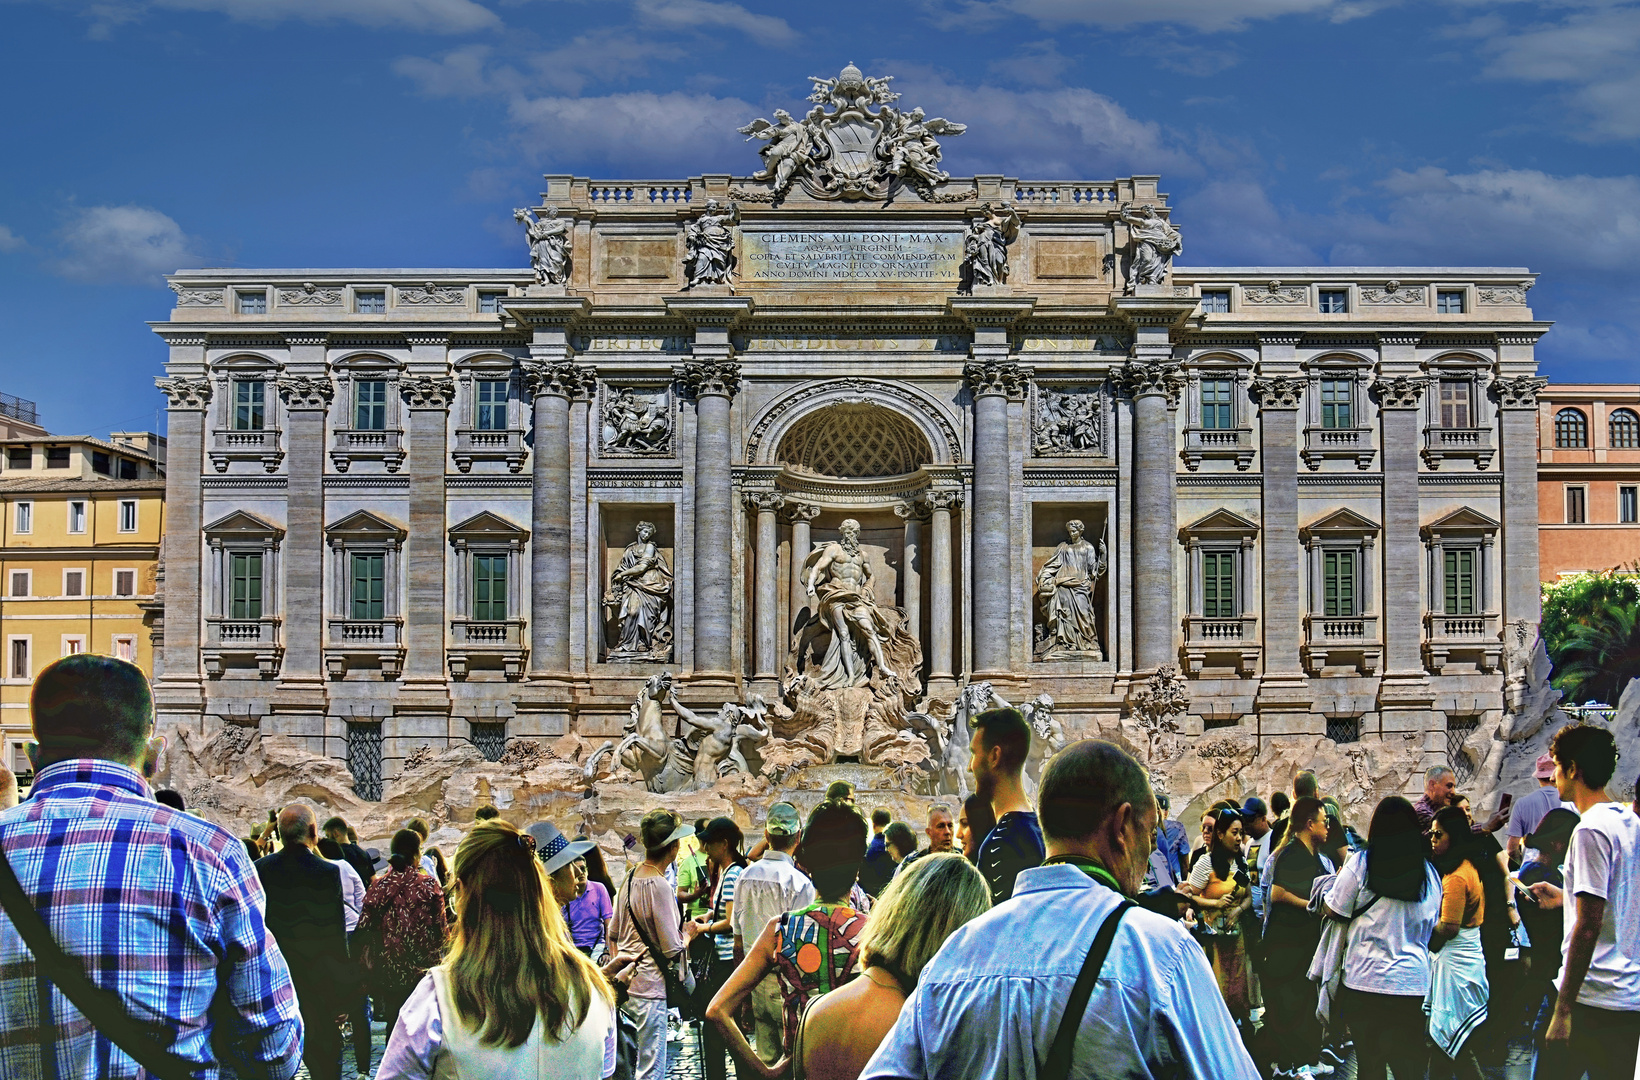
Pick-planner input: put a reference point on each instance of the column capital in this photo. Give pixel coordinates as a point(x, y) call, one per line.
point(943, 499)
point(1000, 377)
point(1276, 392)
point(1145, 377)
point(306, 391)
point(186, 394)
point(800, 511)
point(428, 392)
point(704, 378)
point(1519, 392)
point(911, 510)
point(1401, 392)
point(763, 501)
point(557, 378)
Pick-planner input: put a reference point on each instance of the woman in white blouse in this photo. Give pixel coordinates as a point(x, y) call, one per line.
point(514, 998)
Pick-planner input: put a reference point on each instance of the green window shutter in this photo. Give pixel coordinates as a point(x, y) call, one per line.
point(1218, 585)
point(490, 588)
point(1460, 582)
point(1216, 404)
point(368, 592)
point(1336, 404)
point(245, 593)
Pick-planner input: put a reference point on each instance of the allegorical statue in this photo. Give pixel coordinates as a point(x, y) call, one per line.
point(710, 240)
point(1155, 243)
point(915, 155)
point(1064, 588)
point(985, 244)
point(640, 600)
point(838, 576)
point(789, 146)
point(549, 244)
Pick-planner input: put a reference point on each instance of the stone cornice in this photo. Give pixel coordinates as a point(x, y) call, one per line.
point(546, 312)
point(182, 338)
point(1400, 337)
point(1280, 338)
point(1523, 337)
point(185, 395)
point(990, 311)
point(1002, 377)
point(705, 378)
point(1152, 310)
point(306, 392)
point(295, 338)
point(720, 312)
point(427, 337)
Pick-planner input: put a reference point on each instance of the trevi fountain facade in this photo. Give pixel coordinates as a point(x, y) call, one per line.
point(750, 482)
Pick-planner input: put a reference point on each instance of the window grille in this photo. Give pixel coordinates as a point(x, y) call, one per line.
point(1211, 722)
point(489, 738)
point(1344, 729)
point(364, 758)
point(1459, 728)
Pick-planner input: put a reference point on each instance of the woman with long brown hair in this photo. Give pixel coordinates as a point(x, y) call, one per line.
point(514, 998)
point(1221, 888)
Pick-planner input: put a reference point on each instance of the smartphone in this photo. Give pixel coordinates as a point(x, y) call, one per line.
point(1522, 890)
point(1505, 801)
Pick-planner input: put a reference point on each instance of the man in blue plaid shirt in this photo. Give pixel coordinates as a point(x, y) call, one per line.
point(164, 908)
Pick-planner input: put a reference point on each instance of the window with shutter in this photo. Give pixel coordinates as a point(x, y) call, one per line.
point(1219, 585)
point(368, 592)
point(1460, 582)
point(245, 591)
point(1338, 584)
point(489, 588)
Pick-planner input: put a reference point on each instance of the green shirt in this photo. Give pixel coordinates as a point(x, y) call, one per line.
point(694, 872)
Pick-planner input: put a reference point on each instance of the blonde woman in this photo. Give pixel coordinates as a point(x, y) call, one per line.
point(921, 907)
point(514, 998)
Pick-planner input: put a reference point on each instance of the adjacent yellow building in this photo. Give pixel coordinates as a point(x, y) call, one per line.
point(80, 527)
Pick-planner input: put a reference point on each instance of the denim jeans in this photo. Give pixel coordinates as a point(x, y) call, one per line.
point(650, 1016)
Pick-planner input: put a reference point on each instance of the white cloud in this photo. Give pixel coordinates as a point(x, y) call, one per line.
point(677, 132)
point(463, 72)
point(430, 16)
point(1204, 15)
point(1595, 52)
point(10, 241)
point(135, 244)
point(699, 14)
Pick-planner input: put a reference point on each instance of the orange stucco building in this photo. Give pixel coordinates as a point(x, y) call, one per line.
point(1588, 477)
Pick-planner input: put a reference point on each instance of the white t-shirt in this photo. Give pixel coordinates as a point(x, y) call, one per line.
point(1387, 950)
point(1604, 861)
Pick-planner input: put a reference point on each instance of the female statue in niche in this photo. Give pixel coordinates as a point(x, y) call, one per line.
point(640, 600)
point(1065, 589)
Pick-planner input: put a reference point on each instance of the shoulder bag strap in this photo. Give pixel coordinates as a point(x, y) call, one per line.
point(102, 1007)
point(637, 924)
point(1058, 1066)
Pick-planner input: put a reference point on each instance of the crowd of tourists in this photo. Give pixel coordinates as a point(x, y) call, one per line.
point(1077, 934)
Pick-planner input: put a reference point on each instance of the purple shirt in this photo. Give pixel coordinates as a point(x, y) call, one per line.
point(586, 914)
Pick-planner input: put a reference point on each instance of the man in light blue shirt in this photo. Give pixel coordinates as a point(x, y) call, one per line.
point(991, 1001)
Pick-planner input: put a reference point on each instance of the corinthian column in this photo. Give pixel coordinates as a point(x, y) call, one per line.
point(188, 400)
point(427, 399)
point(993, 383)
point(551, 384)
point(766, 584)
point(1153, 384)
point(801, 515)
point(940, 504)
point(713, 383)
point(1517, 452)
point(1278, 399)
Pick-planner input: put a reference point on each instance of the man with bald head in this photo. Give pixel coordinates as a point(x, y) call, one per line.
point(161, 908)
point(306, 917)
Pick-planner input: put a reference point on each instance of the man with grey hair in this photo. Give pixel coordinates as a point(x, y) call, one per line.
point(1147, 1006)
point(1440, 784)
point(941, 830)
point(306, 916)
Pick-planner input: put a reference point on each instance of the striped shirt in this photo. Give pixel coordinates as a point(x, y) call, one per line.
point(169, 912)
point(721, 899)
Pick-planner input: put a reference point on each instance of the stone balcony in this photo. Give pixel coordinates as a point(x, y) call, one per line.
point(1475, 638)
point(1200, 444)
point(1235, 639)
point(1330, 641)
point(365, 643)
point(475, 445)
point(229, 445)
point(475, 644)
point(1349, 443)
point(386, 447)
point(231, 642)
point(1441, 443)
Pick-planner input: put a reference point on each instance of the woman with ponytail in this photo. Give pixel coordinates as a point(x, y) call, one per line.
point(514, 998)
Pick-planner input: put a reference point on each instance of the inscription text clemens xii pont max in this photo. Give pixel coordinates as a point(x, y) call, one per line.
point(851, 256)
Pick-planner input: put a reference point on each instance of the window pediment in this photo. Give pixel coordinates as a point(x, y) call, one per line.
point(1221, 524)
point(1341, 524)
point(1463, 521)
point(362, 526)
point(242, 525)
point(488, 526)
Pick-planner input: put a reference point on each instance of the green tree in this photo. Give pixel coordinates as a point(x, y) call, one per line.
point(1591, 628)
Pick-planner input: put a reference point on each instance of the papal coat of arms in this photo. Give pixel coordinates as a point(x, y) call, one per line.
point(854, 151)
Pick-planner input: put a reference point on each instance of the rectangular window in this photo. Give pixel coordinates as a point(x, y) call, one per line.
point(1628, 505)
point(19, 667)
point(252, 303)
point(367, 586)
point(1460, 582)
point(370, 303)
point(100, 463)
point(125, 583)
point(1337, 403)
point(22, 582)
point(128, 469)
point(56, 457)
point(76, 516)
point(1219, 585)
point(1455, 403)
point(73, 644)
point(24, 520)
point(19, 457)
point(1449, 303)
point(128, 515)
point(370, 405)
point(491, 404)
point(248, 404)
point(1215, 301)
point(1577, 506)
point(489, 588)
point(1334, 301)
point(245, 585)
point(489, 303)
point(1216, 411)
point(1338, 584)
point(125, 647)
point(73, 582)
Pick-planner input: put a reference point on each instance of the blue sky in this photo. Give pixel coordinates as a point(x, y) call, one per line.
point(147, 135)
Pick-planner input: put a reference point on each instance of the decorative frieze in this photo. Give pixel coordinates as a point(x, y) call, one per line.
point(1274, 293)
point(191, 297)
point(431, 295)
point(310, 295)
point(1393, 292)
point(1069, 421)
point(1502, 295)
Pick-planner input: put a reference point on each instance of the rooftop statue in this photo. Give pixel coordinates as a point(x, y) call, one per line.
point(1154, 244)
point(548, 235)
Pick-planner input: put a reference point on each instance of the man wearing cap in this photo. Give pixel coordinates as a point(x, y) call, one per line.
point(1255, 818)
point(647, 908)
point(768, 889)
point(1530, 809)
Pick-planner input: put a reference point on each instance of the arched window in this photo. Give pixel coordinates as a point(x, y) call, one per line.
point(1571, 429)
point(1625, 430)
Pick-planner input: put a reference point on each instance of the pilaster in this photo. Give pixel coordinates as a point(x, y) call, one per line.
point(1279, 392)
point(427, 400)
point(306, 399)
point(188, 396)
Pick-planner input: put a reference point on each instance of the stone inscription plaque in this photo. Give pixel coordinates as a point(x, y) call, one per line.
point(826, 255)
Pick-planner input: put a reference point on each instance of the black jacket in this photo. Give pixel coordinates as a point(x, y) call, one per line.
point(305, 917)
point(360, 862)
